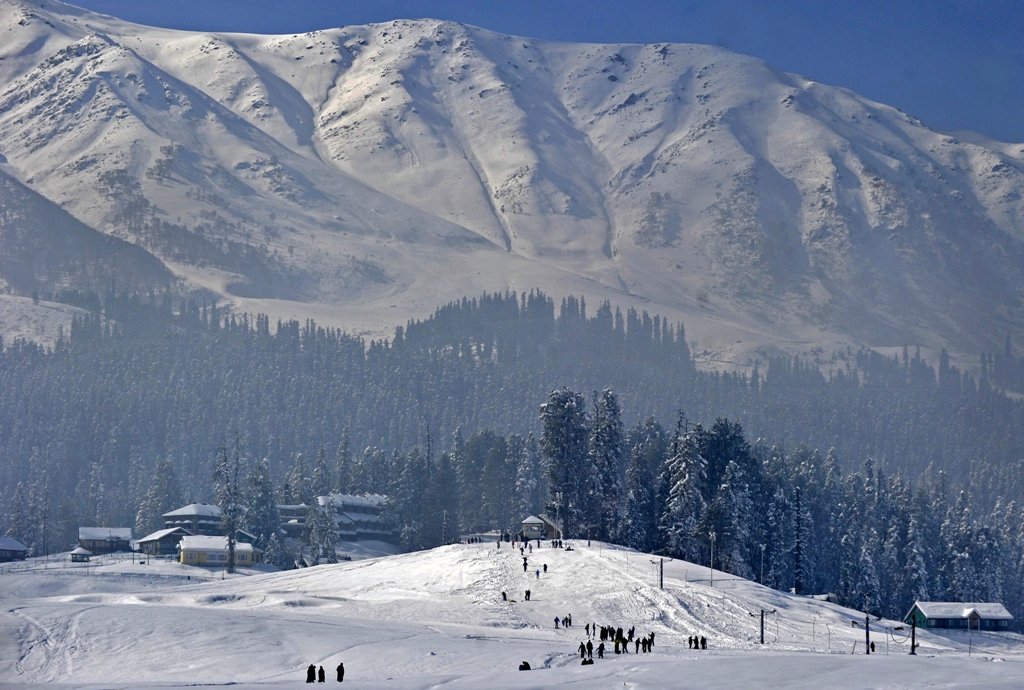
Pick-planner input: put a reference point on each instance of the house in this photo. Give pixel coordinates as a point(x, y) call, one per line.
point(959, 615)
point(12, 550)
point(105, 539)
point(359, 517)
point(206, 550)
point(163, 542)
point(197, 518)
point(80, 555)
point(541, 527)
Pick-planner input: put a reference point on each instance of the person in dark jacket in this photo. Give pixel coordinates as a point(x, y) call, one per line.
point(525, 666)
point(341, 672)
point(703, 642)
point(590, 649)
point(600, 651)
point(320, 674)
point(583, 650)
point(311, 674)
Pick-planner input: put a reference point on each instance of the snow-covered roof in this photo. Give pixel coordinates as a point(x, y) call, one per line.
point(533, 520)
point(207, 543)
point(161, 533)
point(960, 609)
point(94, 533)
point(11, 544)
point(81, 552)
point(195, 510)
point(354, 501)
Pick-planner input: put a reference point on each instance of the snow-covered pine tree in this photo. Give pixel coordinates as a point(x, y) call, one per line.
point(685, 507)
point(275, 554)
point(343, 465)
point(640, 520)
point(607, 459)
point(261, 514)
point(229, 495)
point(164, 494)
point(564, 443)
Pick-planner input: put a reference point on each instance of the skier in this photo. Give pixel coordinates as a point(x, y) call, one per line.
point(320, 675)
point(311, 674)
point(341, 672)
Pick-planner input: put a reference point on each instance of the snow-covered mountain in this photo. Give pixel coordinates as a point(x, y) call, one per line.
point(363, 175)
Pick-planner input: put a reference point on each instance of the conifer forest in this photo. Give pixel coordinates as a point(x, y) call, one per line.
point(880, 479)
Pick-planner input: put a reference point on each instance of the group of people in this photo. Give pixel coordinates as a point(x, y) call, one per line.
point(619, 637)
point(698, 642)
point(314, 675)
point(566, 621)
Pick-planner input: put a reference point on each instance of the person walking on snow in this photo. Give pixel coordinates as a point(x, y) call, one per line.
point(341, 672)
point(311, 674)
point(583, 651)
point(320, 675)
point(590, 649)
point(556, 622)
point(600, 651)
point(538, 574)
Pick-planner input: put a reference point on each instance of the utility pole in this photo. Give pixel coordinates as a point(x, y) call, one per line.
point(661, 573)
point(913, 636)
point(762, 623)
point(867, 633)
point(712, 536)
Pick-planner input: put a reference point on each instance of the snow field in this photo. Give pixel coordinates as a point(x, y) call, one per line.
point(435, 619)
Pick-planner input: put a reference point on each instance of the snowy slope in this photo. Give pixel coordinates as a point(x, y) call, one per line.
point(436, 618)
point(363, 175)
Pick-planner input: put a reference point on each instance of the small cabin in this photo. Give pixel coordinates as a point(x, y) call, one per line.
point(80, 555)
point(542, 527)
point(956, 615)
point(12, 550)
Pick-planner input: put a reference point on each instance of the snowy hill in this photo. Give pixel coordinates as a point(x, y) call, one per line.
point(436, 618)
point(364, 175)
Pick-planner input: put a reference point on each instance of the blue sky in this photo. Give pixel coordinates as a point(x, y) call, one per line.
point(956, 64)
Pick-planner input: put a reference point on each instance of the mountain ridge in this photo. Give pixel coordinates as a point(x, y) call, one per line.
point(368, 174)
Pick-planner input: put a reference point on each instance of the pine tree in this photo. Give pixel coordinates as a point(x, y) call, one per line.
point(164, 494)
point(229, 496)
point(640, 520)
point(685, 508)
point(607, 461)
point(564, 443)
point(275, 554)
point(261, 514)
point(343, 466)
